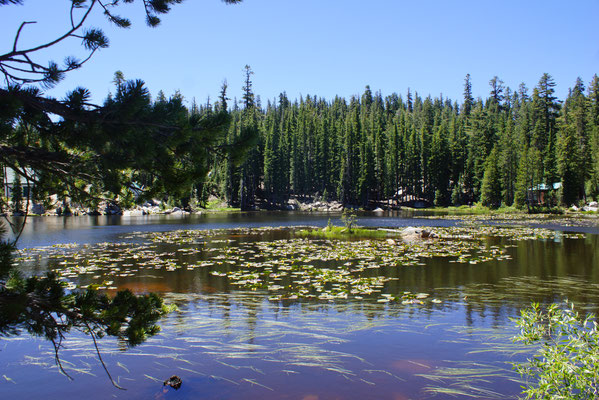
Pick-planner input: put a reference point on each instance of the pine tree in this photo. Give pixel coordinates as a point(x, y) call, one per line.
point(573, 156)
point(468, 99)
point(508, 159)
point(569, 159)
point(528, 179)
point(593, 127)
point(545, 109)
point(497, 89)
point(250, 170)
point(491, 185)
point(439, 162)
point(17, 195)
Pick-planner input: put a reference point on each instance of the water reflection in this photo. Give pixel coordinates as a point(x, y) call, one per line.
point(43, 231)
point(226, 340)
point(227, 344)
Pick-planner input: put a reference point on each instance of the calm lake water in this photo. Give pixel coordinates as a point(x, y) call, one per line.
point(265, 314)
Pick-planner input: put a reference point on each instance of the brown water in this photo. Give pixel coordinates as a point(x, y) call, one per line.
point(233, 338)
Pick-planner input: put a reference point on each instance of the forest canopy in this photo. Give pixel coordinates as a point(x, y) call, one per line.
point(513, 147)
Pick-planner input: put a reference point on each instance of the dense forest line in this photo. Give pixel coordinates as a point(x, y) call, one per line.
point(502, 150)
point(513, 148)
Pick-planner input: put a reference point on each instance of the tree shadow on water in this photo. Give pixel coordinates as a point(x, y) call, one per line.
point(40, 306)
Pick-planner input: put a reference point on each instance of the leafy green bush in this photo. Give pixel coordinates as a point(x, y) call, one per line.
point(566, 363)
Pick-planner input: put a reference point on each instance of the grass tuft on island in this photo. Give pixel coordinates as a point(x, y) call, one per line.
point(342, 232)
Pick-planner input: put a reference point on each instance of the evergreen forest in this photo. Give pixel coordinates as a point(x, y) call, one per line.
point(370, 149)
point(523, 148)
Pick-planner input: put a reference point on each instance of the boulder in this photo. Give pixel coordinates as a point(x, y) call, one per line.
point(293, 205)
point(413, 233)
point(133, 213)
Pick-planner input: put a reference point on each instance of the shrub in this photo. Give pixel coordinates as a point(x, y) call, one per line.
point(566, 363)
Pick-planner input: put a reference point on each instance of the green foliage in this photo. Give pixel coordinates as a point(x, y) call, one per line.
point(91, 151)
point(129, 139)
point(370, 148)
point(566, 364)
point(38, 304)
point(341, 232)
point(574, 160)
point(491, 186)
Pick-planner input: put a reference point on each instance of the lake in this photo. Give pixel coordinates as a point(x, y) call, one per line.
point(266, 311)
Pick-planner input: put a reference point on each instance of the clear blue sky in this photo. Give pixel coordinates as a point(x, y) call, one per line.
point(329, 47)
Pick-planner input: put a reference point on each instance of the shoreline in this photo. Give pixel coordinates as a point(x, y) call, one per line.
point(217, 206)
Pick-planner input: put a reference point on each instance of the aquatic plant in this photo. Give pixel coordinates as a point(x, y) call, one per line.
point(349, 219)
point(289, 264)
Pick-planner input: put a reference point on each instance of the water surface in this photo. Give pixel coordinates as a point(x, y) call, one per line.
point(235, 338)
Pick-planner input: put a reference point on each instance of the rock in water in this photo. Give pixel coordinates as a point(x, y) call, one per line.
point(174, 382)
point(412, 233)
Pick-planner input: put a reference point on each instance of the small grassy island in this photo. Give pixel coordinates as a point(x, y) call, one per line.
point(341, 232)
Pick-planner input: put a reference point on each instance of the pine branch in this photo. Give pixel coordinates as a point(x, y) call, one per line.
point(9, 56)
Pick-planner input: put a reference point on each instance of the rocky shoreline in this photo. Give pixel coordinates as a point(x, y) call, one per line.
point(157, 208)
point(104, 208)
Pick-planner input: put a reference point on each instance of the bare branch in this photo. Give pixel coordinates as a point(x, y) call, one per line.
point(93, 335)
point(71, 14)
point(14, 47)
point(57, 359)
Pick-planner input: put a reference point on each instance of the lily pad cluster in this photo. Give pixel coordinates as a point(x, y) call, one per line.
point(278, 263)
